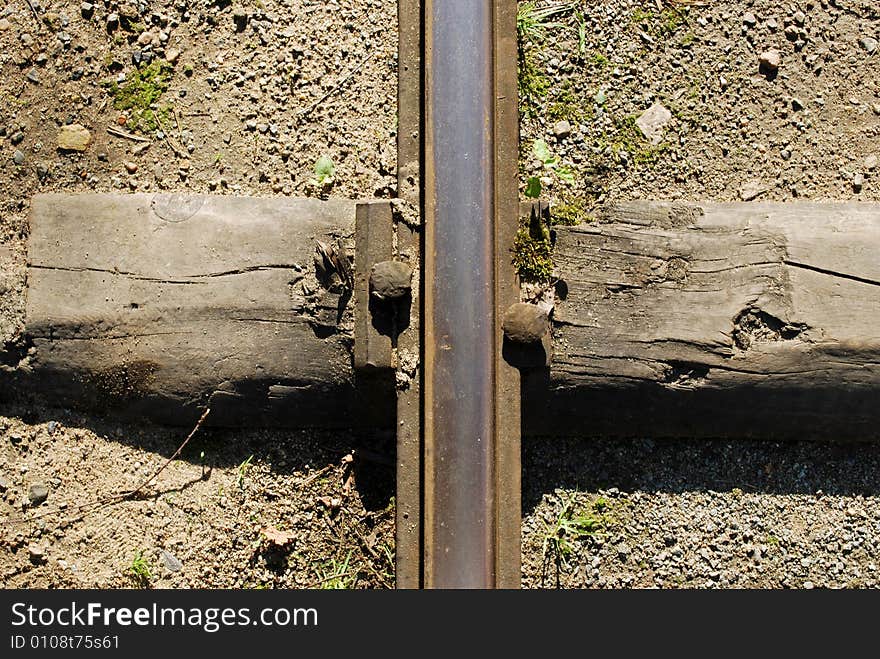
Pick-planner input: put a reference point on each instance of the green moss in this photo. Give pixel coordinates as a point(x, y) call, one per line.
point(598, 60)
point(532, 255)
point(139, 95)
point(564, 104)
point(659, 24)
point(570, 213)
point(533, 84)
point(627, 137)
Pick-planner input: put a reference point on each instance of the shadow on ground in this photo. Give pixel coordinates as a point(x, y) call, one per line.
point(677, 466)
point(284, 450)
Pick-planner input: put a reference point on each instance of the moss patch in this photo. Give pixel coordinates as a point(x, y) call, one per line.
point(139, 96)
point(627, 137)
point(533, 84)
point(570, 213)
point(533, 253)
point(660, 24)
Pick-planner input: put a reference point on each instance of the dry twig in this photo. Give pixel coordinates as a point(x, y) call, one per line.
point(336, 87)
point(128, 136)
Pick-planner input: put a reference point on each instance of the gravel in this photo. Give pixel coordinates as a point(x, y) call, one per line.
point(689, 514)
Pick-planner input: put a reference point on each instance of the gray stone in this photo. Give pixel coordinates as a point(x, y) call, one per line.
point(4, 484)
point(869, 44)
point(870, 162)
point(653, 121)
point(390, 280)
point(749, 19)
point(74, 137)
point(87, 9)
point(33, 77)
point(170, 561)
point(562, 129)
point(525, 323)
point(18, 157)
point(17, 137)
point(37, 494)
point(112, 21)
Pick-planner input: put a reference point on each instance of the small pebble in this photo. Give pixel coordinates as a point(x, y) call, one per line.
point(858, 181)
point(770, 60)
point(130, 167)
point(562, 129)
point(18, 157)
point(36, 554)
point(37, 494)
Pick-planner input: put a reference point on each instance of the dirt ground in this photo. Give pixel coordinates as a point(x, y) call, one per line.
point(255, 95)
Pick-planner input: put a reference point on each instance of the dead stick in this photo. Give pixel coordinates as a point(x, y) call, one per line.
point(128, 136)
point(131, 493)
point(177, 152)
point(122, 496)
point(36, 14)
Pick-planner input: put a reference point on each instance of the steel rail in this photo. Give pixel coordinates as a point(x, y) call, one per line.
point(460, 349)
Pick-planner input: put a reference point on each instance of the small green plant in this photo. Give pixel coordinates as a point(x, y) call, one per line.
point(582, 32)
point(532, 21)
point(324, 171)
point(533, 187)
point(569, 527)
point(551, 164)
point(139, 570)
point(335, 575)
point(242, 471)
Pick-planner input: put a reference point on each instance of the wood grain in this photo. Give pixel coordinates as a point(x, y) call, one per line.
point(716, 320)
point(160, 305)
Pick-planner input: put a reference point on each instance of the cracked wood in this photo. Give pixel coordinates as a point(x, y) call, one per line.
point(717, 320)
point(159, 305)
